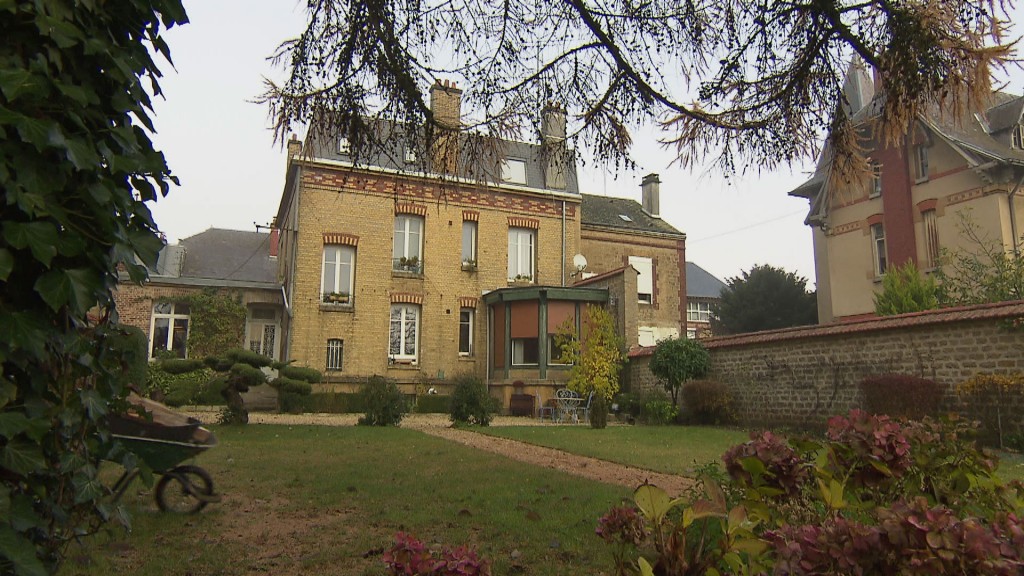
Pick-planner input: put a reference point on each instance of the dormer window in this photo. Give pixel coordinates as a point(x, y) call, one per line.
point(625, 218)
point(344, 146)
point(513, 171)
point(1018, 137)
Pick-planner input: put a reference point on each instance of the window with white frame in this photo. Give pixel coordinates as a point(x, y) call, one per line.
point(525, 351)
point(921, 162)
point(1018, 137)
point(878, 249)
point(513, 171)
point(691, 333)
point(344, 146)
point(408, 243)
point(404, 333)
point(410, 155)
point(521, 242)
point(876, 180)
point(644, 278)
point(169, 328)
point(335, 354)
point(469, 229)
point(698, 311)
point(466, 319)
point(338, 274)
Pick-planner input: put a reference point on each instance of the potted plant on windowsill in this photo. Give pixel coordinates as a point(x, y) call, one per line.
point(336, 298)
point(469, 265)
point(409, 264)
point(521, 279)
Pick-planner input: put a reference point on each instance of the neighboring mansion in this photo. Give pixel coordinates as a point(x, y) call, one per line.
point(912, 205)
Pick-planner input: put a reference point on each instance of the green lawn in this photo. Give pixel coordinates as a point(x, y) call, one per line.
point(669, 449)
point(323, 500)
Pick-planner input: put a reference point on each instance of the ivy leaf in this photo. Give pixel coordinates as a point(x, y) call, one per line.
point(73, 287)
point(23, 330)
point(22, 457)
point(39, 237)
point(8, 391)
point(21, 553)
point(87, 489)
point(94, 404)
point(6, 263)
point(14, 81)
point(12, 424)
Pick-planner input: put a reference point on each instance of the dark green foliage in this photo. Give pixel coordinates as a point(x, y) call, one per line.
point(243, 371)
point(599, 412)
point(901, 396)
point(179, 365)
point(216, 323)
point(766, 298)
point(303, 373)
point(290, 386)
point(334, 403)
point(384, 403)
point(218, 363)
point(471, 404)
point(659, 412)
point(905, 290)
point(243, 376)
point(240, 356)
point(676, 361)
point(186, 389)
point(77, 168)
point(707, 402)
point(132, 345)
point(433, 404)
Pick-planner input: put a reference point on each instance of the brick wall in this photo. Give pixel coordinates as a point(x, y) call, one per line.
point(801, 376)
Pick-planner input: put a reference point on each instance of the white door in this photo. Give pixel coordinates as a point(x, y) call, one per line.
point(262, 328)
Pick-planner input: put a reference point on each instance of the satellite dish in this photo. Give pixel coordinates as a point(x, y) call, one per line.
point(580, 262)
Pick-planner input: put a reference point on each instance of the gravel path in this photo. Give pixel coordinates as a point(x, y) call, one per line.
point(438, 425)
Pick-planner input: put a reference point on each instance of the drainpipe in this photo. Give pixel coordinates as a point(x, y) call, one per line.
point(563, 243)
point(1013, 217)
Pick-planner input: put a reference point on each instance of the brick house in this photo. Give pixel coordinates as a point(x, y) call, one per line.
point(229, 261)
point(910, 207)
point(703, 292)
point(426, 261)
point(617, 232)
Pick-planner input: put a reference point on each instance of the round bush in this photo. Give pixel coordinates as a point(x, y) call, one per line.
point(471, 404)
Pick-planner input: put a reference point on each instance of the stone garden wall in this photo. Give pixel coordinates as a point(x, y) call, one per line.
point(801, 376)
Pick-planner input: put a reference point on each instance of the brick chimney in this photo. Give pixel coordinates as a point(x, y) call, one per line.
point(446, 106)
point(294, 148)
point(650, 192)
point(275, 235)
point(552, 135)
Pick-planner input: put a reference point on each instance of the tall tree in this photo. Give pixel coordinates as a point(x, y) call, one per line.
point(750, 82)
point(76, 168)
point(764, 298)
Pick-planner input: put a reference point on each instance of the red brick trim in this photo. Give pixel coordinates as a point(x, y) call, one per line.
point(415, 209)
point(468, 302)
point(471, 215)
point(341, 238)
point(965, 196)
point(519, 222)
point(406, 298)
point(874, 219)
point(926, 205)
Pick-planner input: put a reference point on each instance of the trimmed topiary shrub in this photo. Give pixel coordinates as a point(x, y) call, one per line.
point(470, 402)
point(303, 373)
point(707, 402)
point(901, 396)
point(433, 404)
point(294, 384)
point(179, 365)
point(383, 402)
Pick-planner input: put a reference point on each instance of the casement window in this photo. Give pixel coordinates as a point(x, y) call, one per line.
point(521, 253)
point(691, 333)
point(698, 311)
point(169, 329)
point(921, 162)
point(876, 181)
point(1018, 137)
point(404, 333)
point(469, 229)
point(338, 278)
point(931, 237)
point(344, 146)
point(878, 249)
point(525, 351)
point(408, 243)
point(335, 354)
point(513, 171)
point(644, 278)
point(466, 319)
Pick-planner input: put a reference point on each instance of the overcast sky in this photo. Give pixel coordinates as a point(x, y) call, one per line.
point(218, 142)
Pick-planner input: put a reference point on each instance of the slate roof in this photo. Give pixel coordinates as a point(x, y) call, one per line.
point(702, 284)
point(220, 256)
point(604, 211)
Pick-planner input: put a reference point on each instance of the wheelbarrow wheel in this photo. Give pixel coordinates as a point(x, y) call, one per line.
point(184, 490)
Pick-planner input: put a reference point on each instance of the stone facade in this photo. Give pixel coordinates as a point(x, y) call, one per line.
point(801, 376)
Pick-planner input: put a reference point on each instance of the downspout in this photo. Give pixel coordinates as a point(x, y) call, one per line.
point(563, 243)
point(1013, 217)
